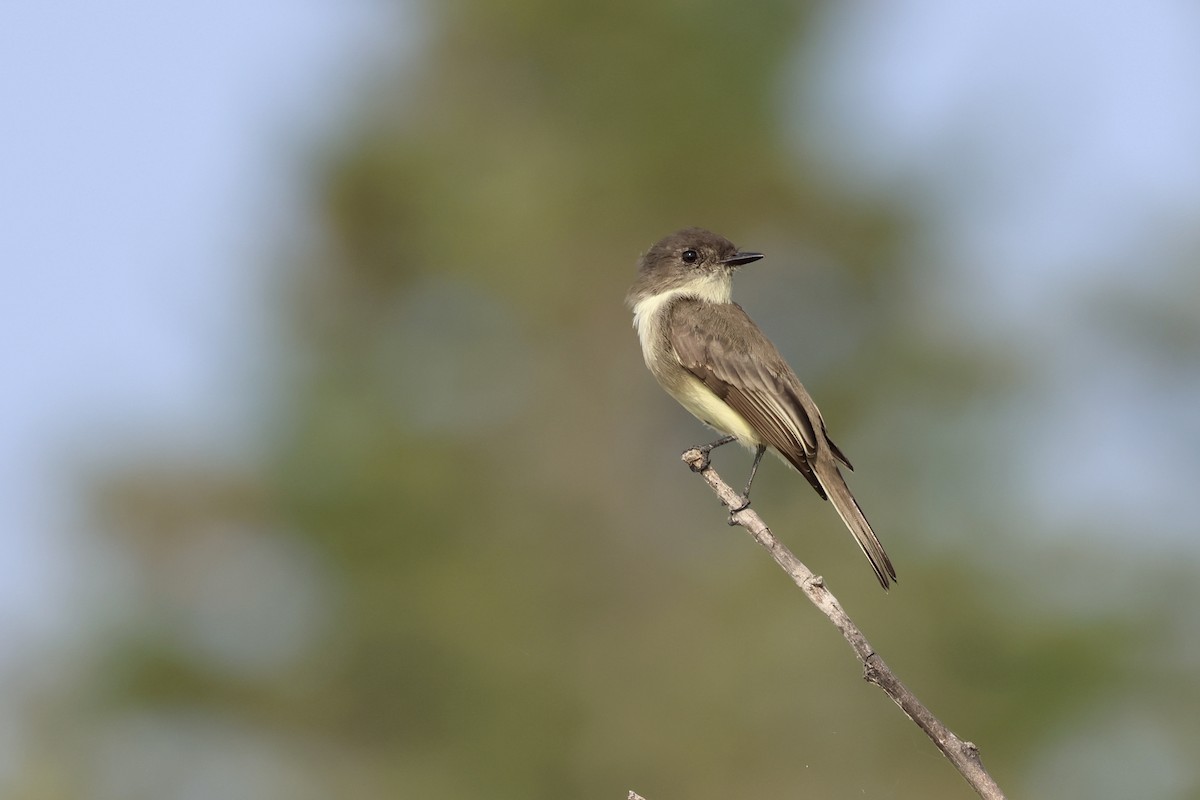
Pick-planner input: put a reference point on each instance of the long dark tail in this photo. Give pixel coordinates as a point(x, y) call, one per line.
point(830, 478)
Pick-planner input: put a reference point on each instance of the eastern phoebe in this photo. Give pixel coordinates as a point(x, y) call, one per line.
point(711, 357)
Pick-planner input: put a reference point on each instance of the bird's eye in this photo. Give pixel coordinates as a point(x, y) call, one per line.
point(690, 256)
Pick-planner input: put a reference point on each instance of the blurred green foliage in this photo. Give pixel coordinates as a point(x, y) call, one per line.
point(499, 580)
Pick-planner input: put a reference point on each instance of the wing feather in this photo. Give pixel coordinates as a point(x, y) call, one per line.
point(714, 343)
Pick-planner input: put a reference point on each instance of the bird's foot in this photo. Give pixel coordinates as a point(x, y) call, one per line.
point(742, 505)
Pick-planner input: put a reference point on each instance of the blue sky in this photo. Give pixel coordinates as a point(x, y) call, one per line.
point(148, 173)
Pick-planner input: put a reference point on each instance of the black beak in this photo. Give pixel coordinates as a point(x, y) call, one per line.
point(740, 259)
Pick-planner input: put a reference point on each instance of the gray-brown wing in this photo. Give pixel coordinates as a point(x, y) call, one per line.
point(714, 342)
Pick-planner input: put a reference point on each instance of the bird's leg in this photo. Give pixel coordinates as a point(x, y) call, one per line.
point(758, 456)
point(708, 448)
point(704, 450)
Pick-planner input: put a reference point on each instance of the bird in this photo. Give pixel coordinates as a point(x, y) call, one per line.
point(707, 353)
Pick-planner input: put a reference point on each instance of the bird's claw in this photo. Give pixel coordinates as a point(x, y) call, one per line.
point(733, 511)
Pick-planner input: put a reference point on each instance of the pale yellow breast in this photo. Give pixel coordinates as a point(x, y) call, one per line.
point(711, 410)
point(688, 390)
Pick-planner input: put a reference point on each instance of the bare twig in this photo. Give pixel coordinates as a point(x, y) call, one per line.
point(963, 755)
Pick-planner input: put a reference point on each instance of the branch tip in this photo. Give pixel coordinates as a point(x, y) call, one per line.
point(696, 459)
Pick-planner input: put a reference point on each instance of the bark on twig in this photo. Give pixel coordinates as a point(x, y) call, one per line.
point(963, 755)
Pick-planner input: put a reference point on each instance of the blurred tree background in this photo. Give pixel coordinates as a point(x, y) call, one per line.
point(464, 559)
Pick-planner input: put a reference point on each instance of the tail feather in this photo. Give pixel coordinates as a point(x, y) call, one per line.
point(850, 512)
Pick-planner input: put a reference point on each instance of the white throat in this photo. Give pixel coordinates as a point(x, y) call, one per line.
point(647, 312)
